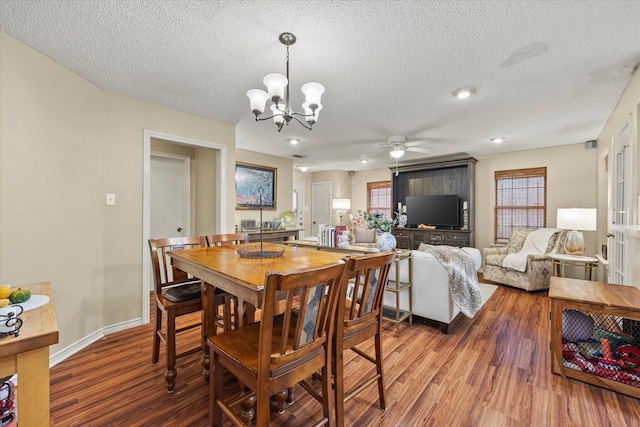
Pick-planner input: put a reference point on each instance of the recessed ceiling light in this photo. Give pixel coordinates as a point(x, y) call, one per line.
point(294, 141)
point(497, 139)
point(303, 168)
point(364, 160)
point(464, 92)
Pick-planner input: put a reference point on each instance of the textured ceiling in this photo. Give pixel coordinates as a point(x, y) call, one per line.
point(546, 72)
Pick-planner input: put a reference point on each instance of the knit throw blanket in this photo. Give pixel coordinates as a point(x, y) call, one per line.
point(463, 279)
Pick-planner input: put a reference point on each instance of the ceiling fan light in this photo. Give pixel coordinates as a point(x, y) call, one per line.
point(397, 152)
point(294, 141)
point(257, 99)
point(275, 84)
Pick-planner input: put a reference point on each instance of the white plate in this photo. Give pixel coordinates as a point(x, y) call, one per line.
point(35, 301)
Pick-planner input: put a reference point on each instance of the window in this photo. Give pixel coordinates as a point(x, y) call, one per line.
point(521, 201)
point(379, 197)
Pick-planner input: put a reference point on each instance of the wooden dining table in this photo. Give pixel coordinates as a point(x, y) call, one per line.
point(222, 267)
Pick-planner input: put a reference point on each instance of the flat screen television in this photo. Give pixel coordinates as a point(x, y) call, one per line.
point(441, 211)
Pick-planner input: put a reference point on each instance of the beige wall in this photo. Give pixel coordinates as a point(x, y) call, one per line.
point(64, 144)
point(627, 109)
point(571, 182)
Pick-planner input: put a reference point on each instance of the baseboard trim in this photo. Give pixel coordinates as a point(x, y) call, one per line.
point(90, 339)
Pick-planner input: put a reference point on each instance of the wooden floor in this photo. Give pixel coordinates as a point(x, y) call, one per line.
point(492, 370)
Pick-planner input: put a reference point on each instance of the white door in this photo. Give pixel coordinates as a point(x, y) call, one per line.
point(298, 206)
point(320, 205)
point(169, 196)
point(621, 202)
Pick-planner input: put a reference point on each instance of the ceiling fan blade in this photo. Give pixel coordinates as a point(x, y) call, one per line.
point(420, 150)
point(419, 142)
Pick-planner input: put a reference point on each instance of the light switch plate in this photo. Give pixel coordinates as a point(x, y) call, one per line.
point(111, 199)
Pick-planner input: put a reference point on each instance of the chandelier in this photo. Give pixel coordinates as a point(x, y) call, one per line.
point(278, 92)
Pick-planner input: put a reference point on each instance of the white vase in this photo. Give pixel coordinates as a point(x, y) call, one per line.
point(386, 241)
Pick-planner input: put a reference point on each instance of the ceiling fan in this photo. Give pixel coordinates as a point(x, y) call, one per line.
point(398, 145)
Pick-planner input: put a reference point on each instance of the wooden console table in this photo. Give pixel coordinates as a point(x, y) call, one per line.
point(28, 356)
point(598, 301)
point(274, 236)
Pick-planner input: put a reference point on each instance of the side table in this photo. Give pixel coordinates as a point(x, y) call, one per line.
point(395, 286)
point(562, 260)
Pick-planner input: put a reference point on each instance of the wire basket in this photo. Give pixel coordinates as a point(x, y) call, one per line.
point(261, 250)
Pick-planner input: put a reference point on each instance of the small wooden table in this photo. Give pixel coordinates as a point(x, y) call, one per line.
point(28, 356)
point(221, 266)
point(597, 300)
point(562, 260)
point(395, 314)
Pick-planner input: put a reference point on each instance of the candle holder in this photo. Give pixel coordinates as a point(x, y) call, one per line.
point(260, 250)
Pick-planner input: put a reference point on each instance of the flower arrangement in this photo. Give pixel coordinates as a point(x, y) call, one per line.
point(378, 220)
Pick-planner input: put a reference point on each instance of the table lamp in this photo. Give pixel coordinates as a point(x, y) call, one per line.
point(575, 219)
point(341, 206)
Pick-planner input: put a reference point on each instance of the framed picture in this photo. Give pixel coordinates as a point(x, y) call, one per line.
point(255, 187)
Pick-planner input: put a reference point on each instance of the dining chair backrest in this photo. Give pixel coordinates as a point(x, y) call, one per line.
point(365, 289)
point(308, 309)
point(164, 274)
point(227, 239)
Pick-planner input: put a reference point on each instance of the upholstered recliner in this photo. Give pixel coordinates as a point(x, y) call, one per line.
point(538, 269)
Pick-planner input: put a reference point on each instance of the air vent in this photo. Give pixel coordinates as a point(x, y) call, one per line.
point(298, 156)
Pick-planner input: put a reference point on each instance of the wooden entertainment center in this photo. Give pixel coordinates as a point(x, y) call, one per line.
point(440, 176)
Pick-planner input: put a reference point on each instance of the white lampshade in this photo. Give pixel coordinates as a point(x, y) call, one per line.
point(311, 116)
point(257, 99)
point(278, 118)
point(577, 219)
point(312, 93)
point(342, 204)
point(275, 85)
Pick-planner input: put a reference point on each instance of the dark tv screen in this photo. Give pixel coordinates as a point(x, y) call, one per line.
point(441, 211)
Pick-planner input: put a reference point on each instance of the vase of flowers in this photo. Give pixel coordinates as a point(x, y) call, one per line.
point(383, 225)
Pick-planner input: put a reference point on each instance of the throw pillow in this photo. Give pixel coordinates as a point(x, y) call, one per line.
point(365, 236)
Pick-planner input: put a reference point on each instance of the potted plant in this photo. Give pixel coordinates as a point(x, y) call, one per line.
point(378, 221)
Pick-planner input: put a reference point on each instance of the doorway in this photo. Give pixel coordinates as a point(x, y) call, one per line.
point(620, 196)
point(298, 207)
point(320, 205)
point(170, 196)
point(220, 205)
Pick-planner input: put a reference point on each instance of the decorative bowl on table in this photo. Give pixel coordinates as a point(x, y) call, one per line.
point(261, 250)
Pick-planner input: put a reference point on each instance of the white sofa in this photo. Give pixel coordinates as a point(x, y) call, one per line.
point(431, 297)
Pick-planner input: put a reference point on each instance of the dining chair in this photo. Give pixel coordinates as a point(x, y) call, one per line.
point(176, 294)
point(359, 319)
point(223, 240)
point(291, 341)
